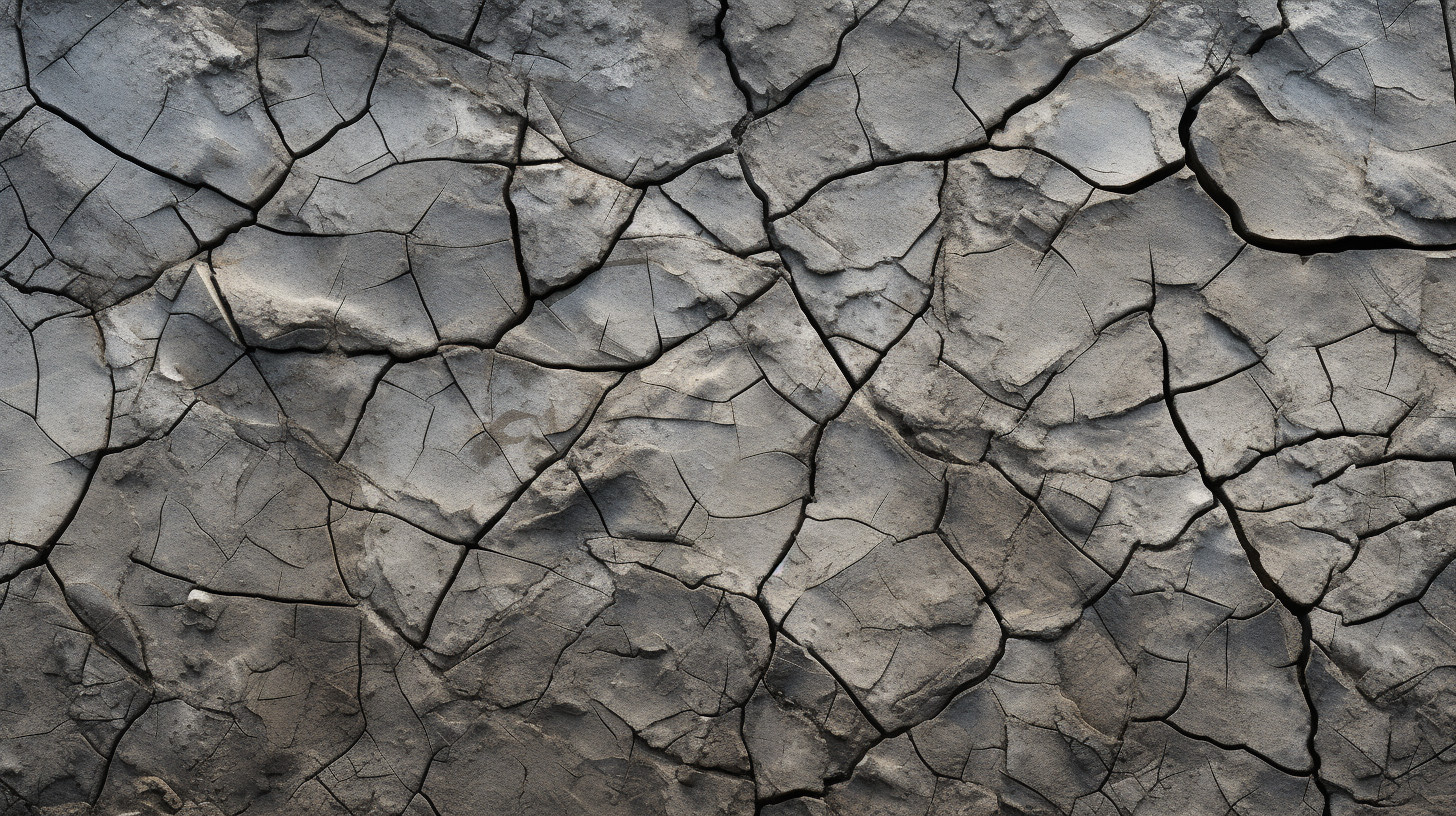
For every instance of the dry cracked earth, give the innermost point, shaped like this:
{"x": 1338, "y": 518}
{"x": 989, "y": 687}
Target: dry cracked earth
{"x": 782, "y": 407}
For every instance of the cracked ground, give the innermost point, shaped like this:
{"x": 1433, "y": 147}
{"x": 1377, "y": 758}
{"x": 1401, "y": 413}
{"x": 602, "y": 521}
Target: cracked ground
{"x": 774, "y": 408}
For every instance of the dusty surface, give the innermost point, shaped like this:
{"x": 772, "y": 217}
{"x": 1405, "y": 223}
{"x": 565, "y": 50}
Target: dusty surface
{"x": 792, "y": 408}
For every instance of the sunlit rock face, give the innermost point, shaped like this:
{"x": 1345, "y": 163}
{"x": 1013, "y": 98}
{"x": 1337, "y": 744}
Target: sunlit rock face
{"x": 773, "y": 408}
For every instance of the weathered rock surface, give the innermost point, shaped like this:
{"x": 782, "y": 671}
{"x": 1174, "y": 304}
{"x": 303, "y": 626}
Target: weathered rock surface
{"x": 802, "y": 408}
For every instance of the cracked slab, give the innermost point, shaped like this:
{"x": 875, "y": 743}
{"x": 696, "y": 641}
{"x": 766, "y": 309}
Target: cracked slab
{"x": 745, "y": 408}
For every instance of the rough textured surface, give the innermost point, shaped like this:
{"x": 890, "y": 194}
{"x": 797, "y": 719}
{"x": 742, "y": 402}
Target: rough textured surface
{"x": 770, "y": 408}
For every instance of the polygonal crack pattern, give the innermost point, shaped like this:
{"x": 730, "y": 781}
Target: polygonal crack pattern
{"x": 770, "y": 408}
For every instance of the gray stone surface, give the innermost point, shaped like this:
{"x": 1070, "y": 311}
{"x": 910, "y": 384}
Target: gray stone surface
{"x": 762, "y": 408}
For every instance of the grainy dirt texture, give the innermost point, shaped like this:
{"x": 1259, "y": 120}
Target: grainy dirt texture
{"x": 775, "y": 408}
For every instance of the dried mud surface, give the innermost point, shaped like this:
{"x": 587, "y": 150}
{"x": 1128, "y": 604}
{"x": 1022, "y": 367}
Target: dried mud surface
{"x": 774, "y": 408}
